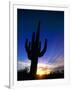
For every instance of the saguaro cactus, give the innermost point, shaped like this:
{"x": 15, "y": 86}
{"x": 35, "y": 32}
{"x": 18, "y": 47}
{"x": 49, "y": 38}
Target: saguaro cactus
{"x": 34, "y": 51}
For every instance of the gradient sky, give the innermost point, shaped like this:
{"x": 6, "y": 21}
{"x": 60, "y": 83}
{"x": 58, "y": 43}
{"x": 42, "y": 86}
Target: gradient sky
{"x": 51, "y": 27}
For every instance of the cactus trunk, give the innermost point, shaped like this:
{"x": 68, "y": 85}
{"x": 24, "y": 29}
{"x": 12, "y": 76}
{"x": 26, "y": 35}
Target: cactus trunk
{"x": 33, "y": 68}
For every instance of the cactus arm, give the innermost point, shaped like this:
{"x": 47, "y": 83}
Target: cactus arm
{"x": 39, "y": 46}
{"x": 33, "y": 40}
{"x": 27, "y": 46}
{"x": 44, "y": 49}
{"x": 33, "y": 37}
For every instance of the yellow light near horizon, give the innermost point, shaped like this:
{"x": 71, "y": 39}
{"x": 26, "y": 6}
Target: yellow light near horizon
{"x": 41, "y": 72}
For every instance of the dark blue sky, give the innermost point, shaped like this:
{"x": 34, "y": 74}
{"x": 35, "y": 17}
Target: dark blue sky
{"x": 51, "y": 27}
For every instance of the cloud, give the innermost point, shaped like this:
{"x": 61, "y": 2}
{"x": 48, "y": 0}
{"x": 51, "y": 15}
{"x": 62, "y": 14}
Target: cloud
{"x": 22, "y": 65}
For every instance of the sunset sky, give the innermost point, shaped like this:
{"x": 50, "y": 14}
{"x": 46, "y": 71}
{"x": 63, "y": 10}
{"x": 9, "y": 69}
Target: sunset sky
{"x": 51, "y": 27}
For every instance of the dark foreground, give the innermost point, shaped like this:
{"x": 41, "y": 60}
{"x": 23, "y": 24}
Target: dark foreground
{"x": 23, "y": 75}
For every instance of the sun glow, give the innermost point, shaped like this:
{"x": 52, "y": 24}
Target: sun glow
{"x": 43, "y": 70}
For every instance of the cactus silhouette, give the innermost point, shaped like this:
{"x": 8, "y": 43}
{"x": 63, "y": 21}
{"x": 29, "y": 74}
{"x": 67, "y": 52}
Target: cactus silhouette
{"x": 34, "y": 51}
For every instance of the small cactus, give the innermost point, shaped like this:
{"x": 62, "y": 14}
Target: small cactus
{"x": 34, "y": 51}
